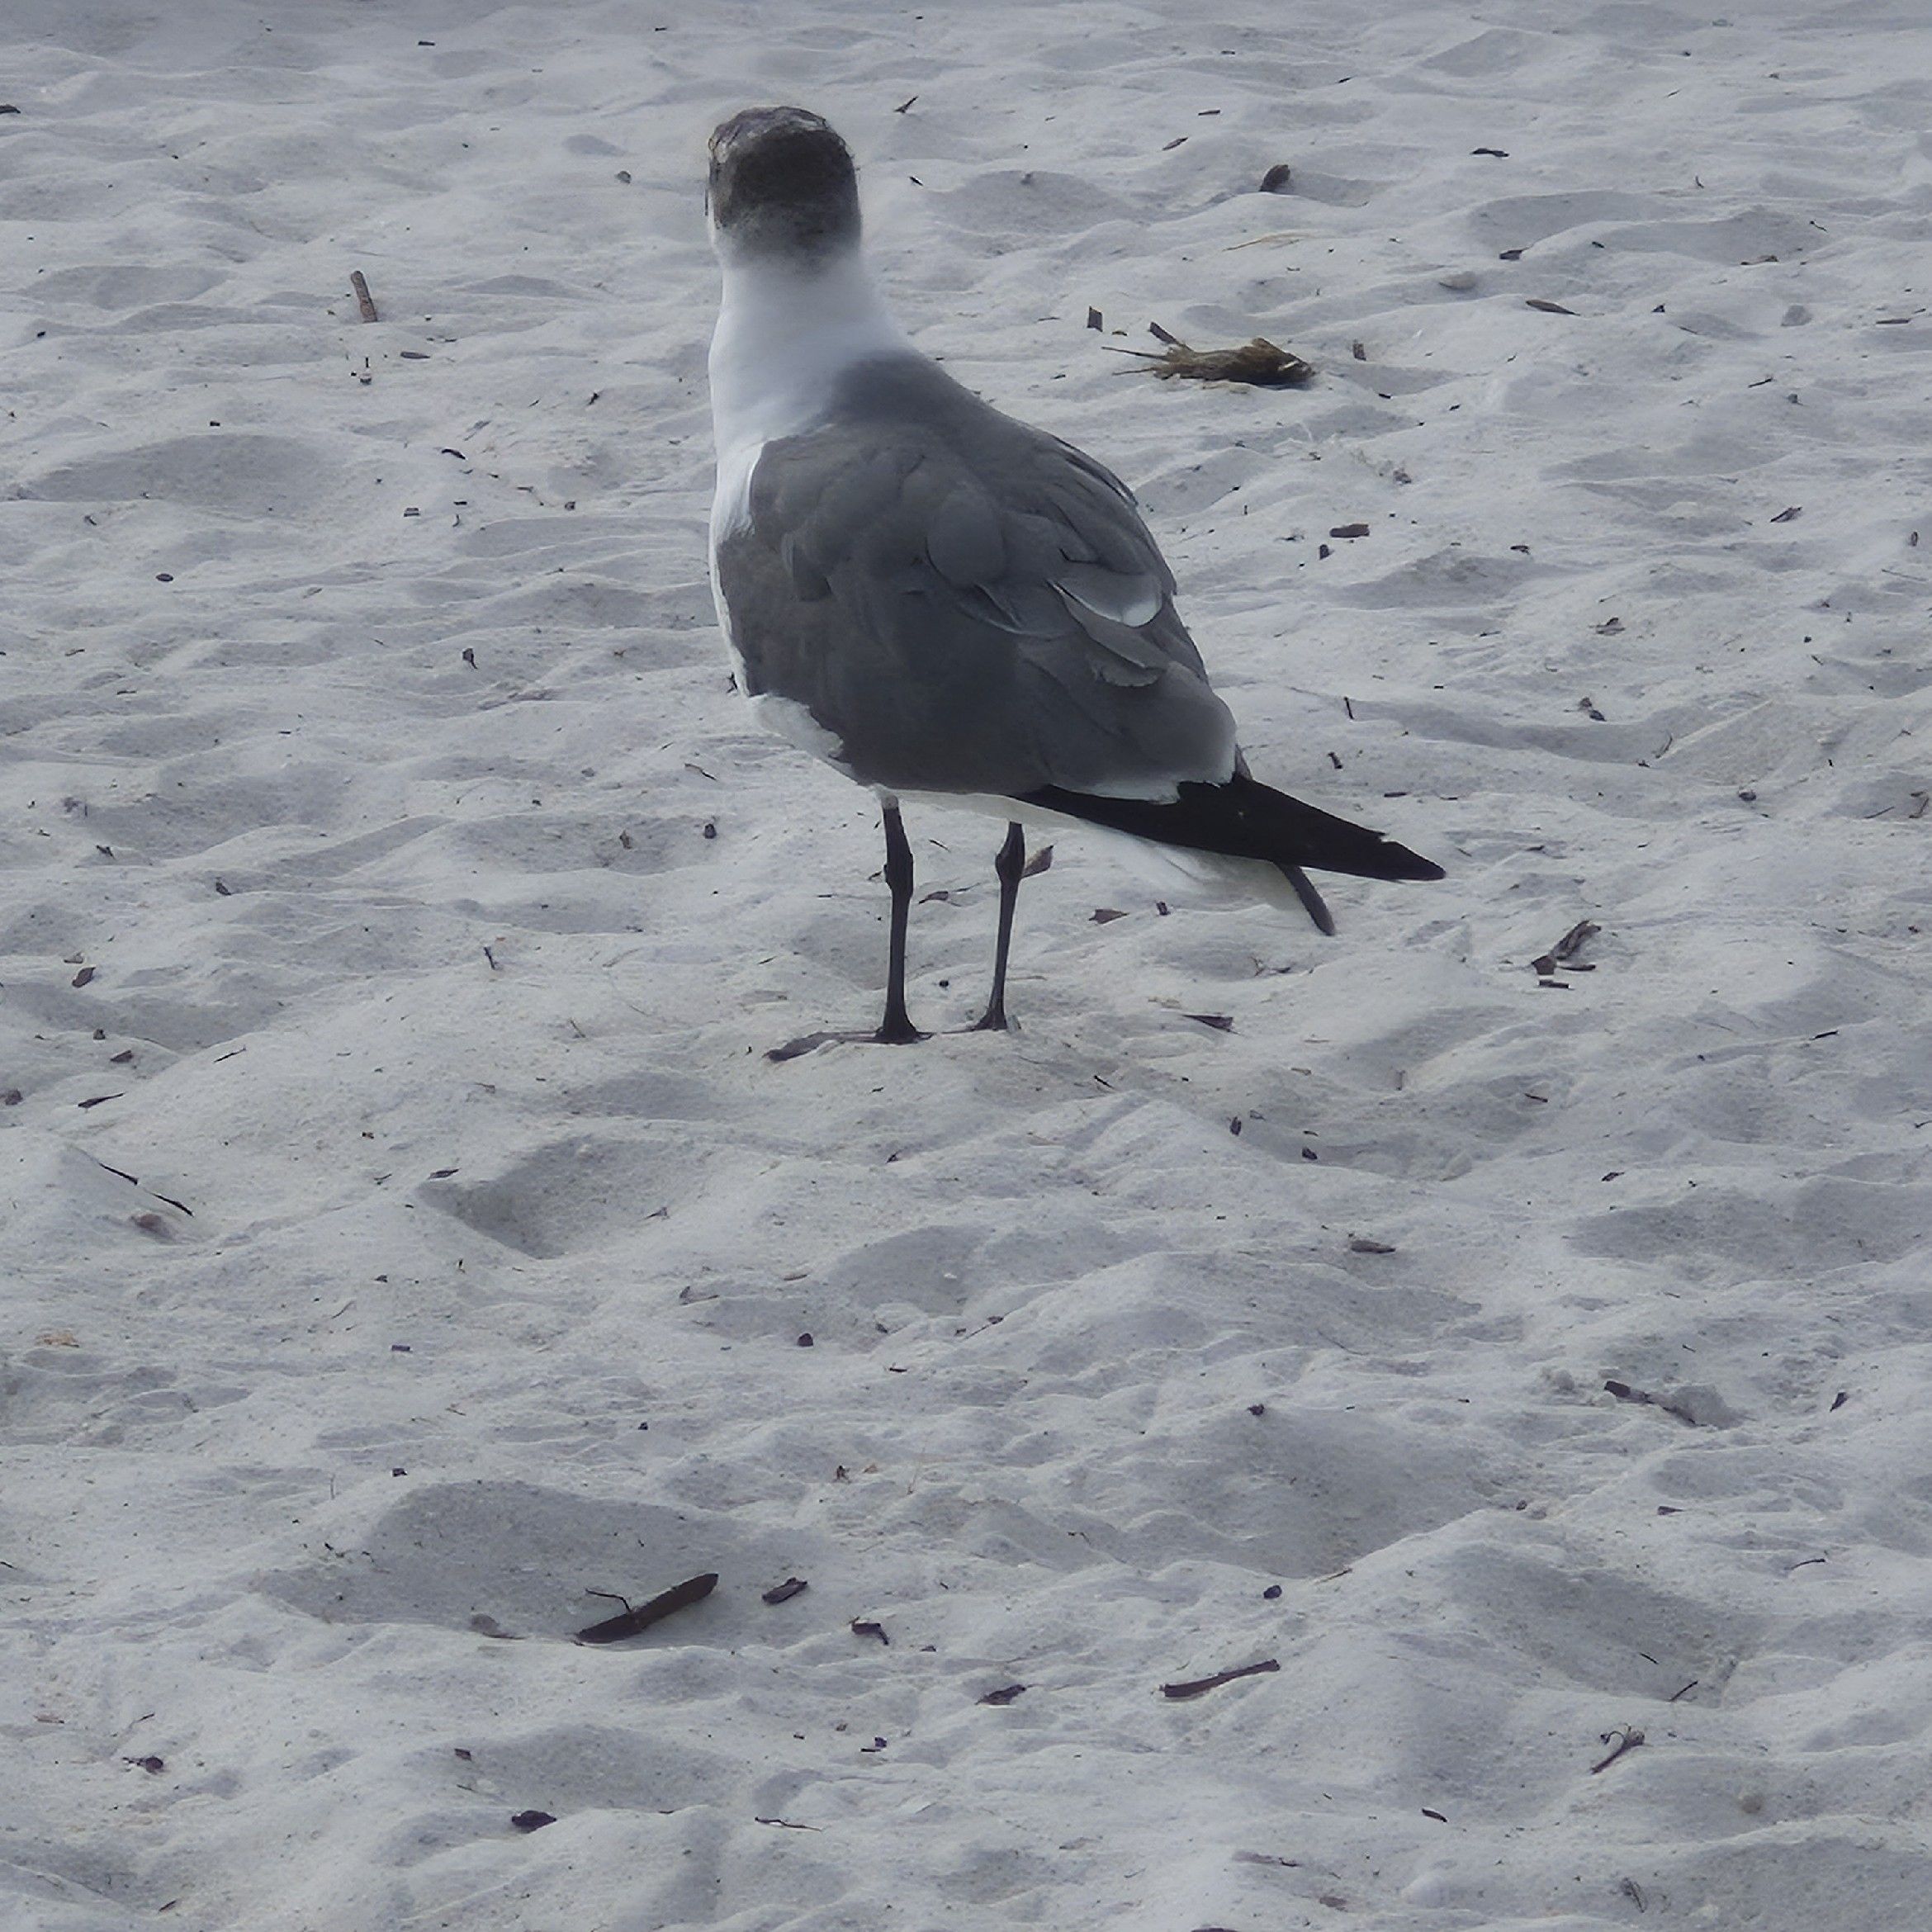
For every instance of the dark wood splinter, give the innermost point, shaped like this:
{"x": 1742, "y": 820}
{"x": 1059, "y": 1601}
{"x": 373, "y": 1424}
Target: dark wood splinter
{"x": 629, "y": 1622}
{"x": 1199, "y": 1685}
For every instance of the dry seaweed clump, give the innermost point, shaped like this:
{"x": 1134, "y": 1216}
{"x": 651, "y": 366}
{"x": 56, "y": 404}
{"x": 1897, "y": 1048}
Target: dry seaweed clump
{"x": 1258, "y": 361}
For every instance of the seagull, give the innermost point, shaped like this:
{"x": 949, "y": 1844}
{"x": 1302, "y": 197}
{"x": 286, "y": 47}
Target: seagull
{"x": 944, "y": 604}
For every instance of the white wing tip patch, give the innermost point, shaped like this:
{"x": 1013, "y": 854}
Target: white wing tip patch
{"x": 1123, "y": 598}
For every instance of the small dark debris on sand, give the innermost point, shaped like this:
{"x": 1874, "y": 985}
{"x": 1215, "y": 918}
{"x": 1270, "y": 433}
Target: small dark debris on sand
{"x": 1565, "y": 951}
{"x": 1670, "y": 1404}
{"x": 627, "y": 1624}
{"x": 1257, "y": 363}
{"x": 1199, "y": 1685}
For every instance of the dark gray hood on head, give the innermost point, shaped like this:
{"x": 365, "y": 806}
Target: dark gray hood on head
{"x": 781, "y": 185}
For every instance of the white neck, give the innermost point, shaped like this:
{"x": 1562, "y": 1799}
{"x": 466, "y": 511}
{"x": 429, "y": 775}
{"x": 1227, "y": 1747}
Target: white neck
{"x": 785, "y": 334}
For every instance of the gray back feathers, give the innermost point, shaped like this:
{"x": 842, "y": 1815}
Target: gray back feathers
{"x": 966, "y": 604}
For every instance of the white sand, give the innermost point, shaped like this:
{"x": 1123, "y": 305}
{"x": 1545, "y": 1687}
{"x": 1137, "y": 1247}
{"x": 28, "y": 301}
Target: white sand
{"x": 417, "y": 1243}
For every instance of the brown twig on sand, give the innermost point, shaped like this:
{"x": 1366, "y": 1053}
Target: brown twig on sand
{"x": 1626, "y": 1740}
{"x": 364, "y": 300}
{"x": 614, "y": 1629}
{"x": 1199, "y": 1686}
{"x": 1674, "y": 1405}
{"x": 1258, "y": 362}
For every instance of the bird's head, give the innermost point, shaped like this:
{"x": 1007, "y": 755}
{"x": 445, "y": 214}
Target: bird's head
{"x": 782, "y": 186}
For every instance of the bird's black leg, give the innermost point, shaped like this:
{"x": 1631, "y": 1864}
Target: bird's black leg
{"x": 1011, "y": 866}
{"x": 897, "y": 1029}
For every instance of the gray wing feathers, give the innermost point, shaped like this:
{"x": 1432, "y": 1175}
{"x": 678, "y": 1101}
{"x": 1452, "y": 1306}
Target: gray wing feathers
{"x": 964, "y": 541}
{"x": 967, "y": 605}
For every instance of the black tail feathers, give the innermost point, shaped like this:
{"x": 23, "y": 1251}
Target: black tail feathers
{"x": 1243, "y": 819}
